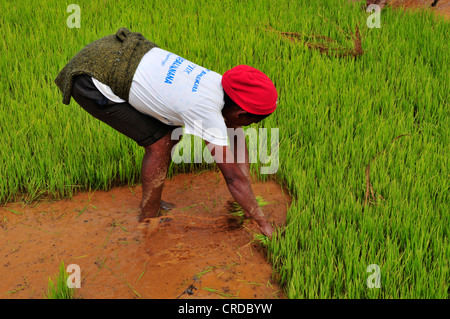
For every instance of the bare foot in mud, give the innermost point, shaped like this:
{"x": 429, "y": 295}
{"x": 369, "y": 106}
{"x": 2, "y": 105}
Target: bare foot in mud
{"x": 166, "y": 206}
{"x": 162, "y": 206}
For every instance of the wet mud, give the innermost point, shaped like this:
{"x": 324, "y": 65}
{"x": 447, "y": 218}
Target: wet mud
{"x": 187, "y": 252}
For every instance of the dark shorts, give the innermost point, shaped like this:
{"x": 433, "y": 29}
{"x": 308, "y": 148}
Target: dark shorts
{"x": 143, "y": 129}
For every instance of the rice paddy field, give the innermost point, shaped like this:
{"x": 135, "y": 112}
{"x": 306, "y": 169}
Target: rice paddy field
{"x": 363, "y": 138}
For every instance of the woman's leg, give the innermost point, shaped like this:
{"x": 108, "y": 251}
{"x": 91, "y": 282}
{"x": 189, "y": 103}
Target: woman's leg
{"x": 155, "y": 164}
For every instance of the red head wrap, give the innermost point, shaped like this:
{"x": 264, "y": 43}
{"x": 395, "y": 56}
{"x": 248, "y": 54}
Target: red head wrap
{"x": 251, "y": 89}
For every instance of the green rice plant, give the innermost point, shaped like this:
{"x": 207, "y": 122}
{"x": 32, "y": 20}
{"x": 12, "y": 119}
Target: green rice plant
{"x": 57, "y": 287}
{"x": 237, "y": 211}
{"x": 261, "y": 239}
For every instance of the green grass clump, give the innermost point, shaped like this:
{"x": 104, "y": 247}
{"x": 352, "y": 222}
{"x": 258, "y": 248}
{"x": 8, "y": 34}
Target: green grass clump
{"x": 261, "y": 239}
{"x": 57, "y": 287}
{"x": 238, "y": 215}
{"x": 238, "y": 212}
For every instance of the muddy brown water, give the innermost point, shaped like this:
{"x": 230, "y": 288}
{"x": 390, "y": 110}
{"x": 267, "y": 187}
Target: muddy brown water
{"x": 441, "y": 8}
{"x": 121, "y": 258}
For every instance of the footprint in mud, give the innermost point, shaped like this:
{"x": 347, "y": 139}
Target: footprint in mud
{"x": 166, "y": 206}
{"x": 151, "y": 225}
